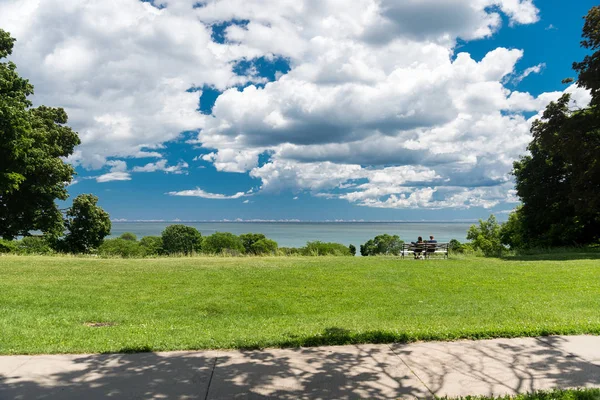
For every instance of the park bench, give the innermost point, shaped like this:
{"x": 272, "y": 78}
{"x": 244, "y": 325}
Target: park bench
{"x": 426, "y": 249}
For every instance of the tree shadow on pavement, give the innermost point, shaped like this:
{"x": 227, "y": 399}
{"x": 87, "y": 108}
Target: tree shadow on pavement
{"x": 499, "y": 366}
{"x": 351, "y": 372}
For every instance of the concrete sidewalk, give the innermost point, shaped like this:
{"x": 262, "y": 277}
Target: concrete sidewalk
{"x": 502, "y": 366}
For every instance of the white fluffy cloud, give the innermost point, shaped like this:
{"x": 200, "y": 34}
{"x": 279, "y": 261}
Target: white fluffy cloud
{"x": 376, "y": 84}
{"x": 121, "y": 69}
{"x": 118, "y": 172}
{"x": 377, "y": 109}
{"x": 179, "y": 168}
{"x": 205, "y": 195}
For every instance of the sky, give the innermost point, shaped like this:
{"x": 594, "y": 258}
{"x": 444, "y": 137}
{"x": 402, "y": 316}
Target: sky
{"x": 298, "y": 109}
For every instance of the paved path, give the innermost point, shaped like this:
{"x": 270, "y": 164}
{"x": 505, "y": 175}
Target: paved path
{"x": 420, "y": 370}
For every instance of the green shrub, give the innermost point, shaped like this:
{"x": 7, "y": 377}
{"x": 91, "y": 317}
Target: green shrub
{"x": 181, "y": 239}
{"x": 456, "y": 247}
{"x": 486, "y": 237}
{"x": 120, "y": 248}
{"x": 223, "y": 242}
{"x": 382, "y": 245}
{"x": 34, "y": 245}
{"x": 87, "y": 225}
{"x": 289, "y": 251}
{"x": 248, "y": 239}
{"x": 128, "y": 236}
{"x": 8, "y": 246}
{"x": 352, "y": 249}
{"x": 556, "y": 394}
{"x": 152, "y": 245}
{"x": 318, "y": 248}
{"x": 512, "y": 232}
{"x": 264, "y": 247}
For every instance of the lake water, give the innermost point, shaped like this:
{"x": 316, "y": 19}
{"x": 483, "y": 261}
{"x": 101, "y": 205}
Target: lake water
{"x": 296, "y": 234}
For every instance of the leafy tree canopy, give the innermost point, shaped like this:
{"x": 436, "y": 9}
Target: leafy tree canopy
{"x": 352, "y": 249}
{"x": 264, "y": 247}
{"x": 382, "y": 245}
{"x": 181, "y": 239}
{"x": 318, "y": 248}
{"x": 559, "y": 182}
{"x": 152, "y": 245}
{"x": 248, "y": 240}
{"x": 220, "y": 242}
{"x": 486, "y": 237}
{"x": 33, "y": 144}
{"x": 128, "y": 236}
{"x": 87, "y": 224}
{"x": 589, "y": 68}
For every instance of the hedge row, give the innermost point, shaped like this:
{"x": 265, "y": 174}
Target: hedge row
{"x": 186, "y": 240}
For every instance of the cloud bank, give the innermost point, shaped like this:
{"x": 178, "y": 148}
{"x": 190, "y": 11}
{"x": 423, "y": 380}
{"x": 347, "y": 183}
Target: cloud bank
{"x": 377, "y": 108}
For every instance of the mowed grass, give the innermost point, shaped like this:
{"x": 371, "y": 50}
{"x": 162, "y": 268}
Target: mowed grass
{"x": 81, "y": 305}
{"x": 559, "y": 394}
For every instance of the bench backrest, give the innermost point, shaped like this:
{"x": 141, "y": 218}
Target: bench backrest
{"x": 425, "y": 246}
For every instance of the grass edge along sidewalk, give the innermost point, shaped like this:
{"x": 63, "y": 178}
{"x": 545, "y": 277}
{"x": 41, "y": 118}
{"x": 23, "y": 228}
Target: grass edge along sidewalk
{"x": 53, "y": 305}
{"x": 558, "y": 394}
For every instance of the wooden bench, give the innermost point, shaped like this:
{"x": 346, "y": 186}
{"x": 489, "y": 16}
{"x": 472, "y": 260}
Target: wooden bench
{"x": 425, "y": 249}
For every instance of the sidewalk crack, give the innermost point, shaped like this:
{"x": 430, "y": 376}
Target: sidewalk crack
{"x": 24, "y": 362}
{"x": 212, "y": 372}
{"x": 412, "y": 371}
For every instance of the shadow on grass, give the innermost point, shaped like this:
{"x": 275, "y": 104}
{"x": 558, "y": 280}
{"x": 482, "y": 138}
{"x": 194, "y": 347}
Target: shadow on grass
{"x": 339, "y": 337}
{"x": 335, "y": 336}
{"x": 558, "y": 256}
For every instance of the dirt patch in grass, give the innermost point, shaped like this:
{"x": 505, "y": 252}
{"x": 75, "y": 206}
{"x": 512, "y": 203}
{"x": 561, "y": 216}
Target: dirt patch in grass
{"x": 99, "y": 324}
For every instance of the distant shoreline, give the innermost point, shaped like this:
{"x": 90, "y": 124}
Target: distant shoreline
{"x": 292, "y": 222}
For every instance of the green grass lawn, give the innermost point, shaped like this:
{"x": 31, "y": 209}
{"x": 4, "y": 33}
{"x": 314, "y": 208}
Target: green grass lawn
{"x": 570, "y": 394}
{"x": 50, "y": 304}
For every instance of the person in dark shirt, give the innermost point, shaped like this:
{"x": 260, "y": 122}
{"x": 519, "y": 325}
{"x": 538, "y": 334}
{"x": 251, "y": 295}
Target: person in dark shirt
{"x": 431, "y": 249}
{"x": 418, "y": 247}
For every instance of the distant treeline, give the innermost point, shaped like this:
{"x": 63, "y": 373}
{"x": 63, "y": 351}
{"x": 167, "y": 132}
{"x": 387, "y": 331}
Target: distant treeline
{"x": 184, "y": 240}
{"x": 181, "y": 240}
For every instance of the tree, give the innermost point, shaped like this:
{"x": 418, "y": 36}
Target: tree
{"x": 486, "y": 237}
{"x": 128, "y": 236}
{"x": 382, "y": 245}
{"x": 589, "y": 68}
{"x": 248, "y": 239}
{"x": 264, "y": 247}
{"x": 33, "y": 145}
{"x": 34, "y": 245}
{"x": 318, "y": 248}
{"x": 559, "y": 182}
{"x": 121, "y": 248}
{"x": 512, "y": 233}
{"x": 152, "y": 245}
{"x": 181, "y": 239}
{"x": 454, "y": 246}
{"x": 87, "y": 225}
{"x": 352, "y": 249}
{"x": 220, "y": 242}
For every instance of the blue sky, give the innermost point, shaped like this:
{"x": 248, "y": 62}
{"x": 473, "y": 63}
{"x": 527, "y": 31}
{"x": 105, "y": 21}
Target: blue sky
{"x": 323, "y": 114}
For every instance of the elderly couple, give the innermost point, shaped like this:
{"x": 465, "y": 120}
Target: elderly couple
{"x": 419, "y": 247}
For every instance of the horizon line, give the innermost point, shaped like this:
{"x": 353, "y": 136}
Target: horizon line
{"x": 292, "y": 221}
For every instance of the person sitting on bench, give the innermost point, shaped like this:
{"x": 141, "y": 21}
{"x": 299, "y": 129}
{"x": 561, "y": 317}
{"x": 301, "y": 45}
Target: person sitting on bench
{"x": 418, "y": 247}
{"x": 432, "y": 242}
